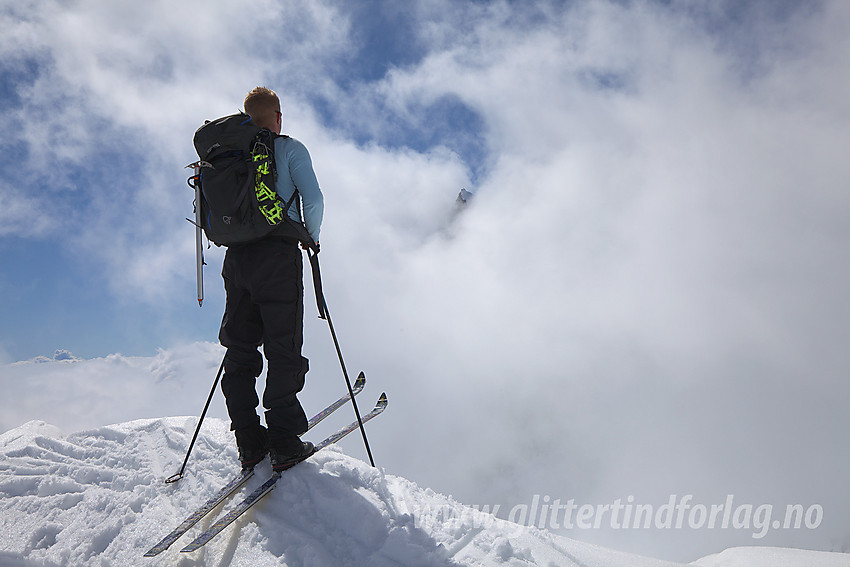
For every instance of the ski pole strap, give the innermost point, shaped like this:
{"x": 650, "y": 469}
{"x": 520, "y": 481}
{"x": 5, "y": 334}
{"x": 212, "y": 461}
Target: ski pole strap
{"x": 317, "y": 283}
{"x": 325, "y": 314}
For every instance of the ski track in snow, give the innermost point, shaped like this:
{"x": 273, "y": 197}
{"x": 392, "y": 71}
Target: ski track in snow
{"x": 97, "y": 497}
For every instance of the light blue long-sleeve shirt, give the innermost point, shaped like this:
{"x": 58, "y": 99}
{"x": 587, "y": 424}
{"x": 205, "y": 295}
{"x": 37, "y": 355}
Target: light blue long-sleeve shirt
{"x": 295, "y": 171}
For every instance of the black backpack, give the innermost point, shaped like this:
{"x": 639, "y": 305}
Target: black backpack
{"x": 236, "y": 174}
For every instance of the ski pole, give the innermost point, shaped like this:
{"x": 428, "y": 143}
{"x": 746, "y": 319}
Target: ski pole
{"x": 325, "y": 314}
{"x": 179, "y": 475}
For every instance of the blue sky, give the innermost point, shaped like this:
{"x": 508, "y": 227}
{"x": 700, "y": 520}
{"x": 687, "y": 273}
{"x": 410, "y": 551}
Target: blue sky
{"x": 647, "y": 296}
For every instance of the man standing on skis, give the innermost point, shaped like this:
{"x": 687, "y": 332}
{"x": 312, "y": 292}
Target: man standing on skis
{"x": 265, "y": 306}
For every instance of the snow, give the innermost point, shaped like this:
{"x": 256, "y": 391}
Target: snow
{"x": 97, "y": 497}
{"x": 772, "y": 557}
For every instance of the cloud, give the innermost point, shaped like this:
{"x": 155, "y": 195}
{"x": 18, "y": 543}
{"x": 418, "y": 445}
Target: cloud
{"x": 21, "y": 214}
{"x": 81, "y": 393}
{"x": 655, "y": 246}
{"x": 647, "y": 294}
{"x": 114, "y": 93}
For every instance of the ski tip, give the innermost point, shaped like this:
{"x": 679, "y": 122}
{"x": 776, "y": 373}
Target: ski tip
{"x": 360, "y": 382}
{"x": 382, "y": 401}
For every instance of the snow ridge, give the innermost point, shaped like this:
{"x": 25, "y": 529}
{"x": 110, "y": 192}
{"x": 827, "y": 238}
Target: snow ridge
{"x": 97, "y": 497}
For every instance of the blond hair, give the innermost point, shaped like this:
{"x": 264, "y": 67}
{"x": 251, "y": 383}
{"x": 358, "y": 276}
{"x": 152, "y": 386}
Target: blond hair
{"x": 262, "y": 105}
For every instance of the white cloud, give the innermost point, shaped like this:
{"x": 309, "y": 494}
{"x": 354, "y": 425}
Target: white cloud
{"x": 652, "y": 254}
{"x": 21, "y": 214}
{"x": 109, "y": 109}
{"x": 648, "y": 292}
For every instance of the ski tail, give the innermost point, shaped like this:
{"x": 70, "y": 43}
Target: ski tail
{"x": 205, "y": 509}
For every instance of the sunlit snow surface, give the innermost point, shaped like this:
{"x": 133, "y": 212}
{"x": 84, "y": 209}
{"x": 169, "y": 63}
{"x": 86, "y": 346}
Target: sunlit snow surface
{"x": 97, "y": 497}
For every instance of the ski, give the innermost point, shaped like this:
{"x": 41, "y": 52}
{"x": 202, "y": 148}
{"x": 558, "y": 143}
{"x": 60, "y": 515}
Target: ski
{"x": 196, "y": 516}
{"x": 267, "y": 487}
{"x": 358, "y": 386}
{"x": 242, "y": 478}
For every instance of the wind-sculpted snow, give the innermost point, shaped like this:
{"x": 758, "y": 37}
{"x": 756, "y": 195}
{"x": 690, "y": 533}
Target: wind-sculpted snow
{"x": 97, "y": 498}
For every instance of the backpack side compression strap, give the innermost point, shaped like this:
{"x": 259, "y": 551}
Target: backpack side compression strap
{"x": 268, "y": 200}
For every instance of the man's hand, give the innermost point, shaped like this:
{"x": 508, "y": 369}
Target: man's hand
{"x": 307, "y": 247}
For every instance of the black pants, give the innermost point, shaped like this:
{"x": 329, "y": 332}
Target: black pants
{"x": 264, "y": 306}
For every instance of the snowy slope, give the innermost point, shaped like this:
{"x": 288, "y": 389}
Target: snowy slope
{"x": 97, "y": 498}
{"x": 772, "y": 557}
